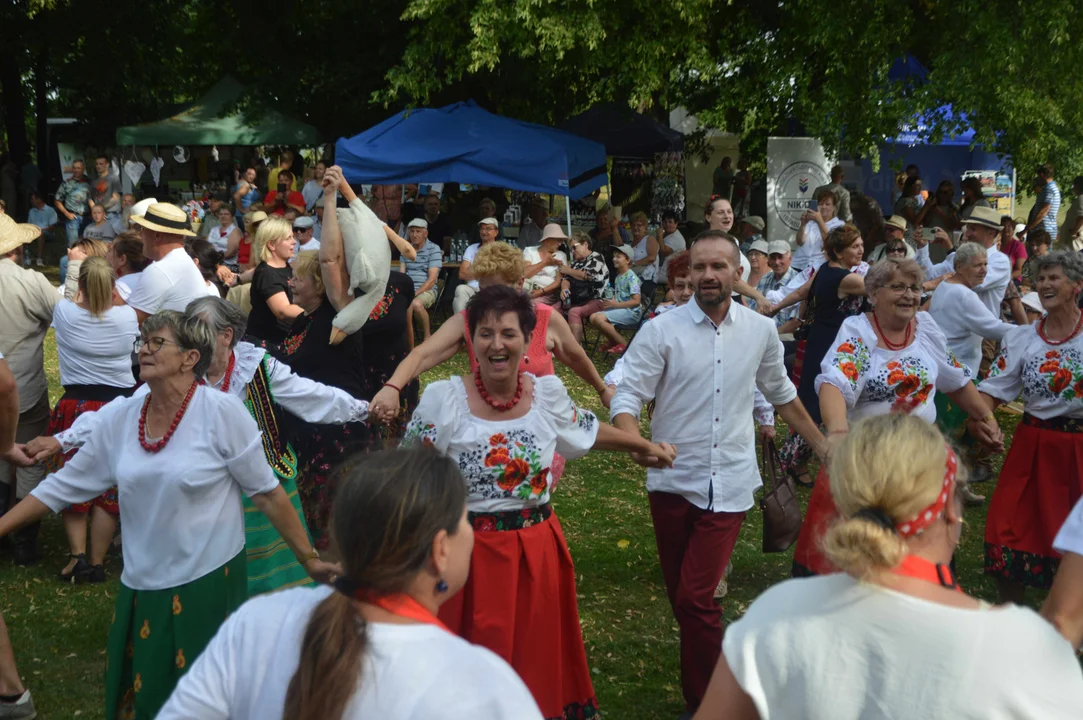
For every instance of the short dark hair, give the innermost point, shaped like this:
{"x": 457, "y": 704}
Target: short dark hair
{"x": 207, "y": 256}
{"x": 498, "y": 300}
{"x": 1039, "y": 236}
{"x": 101, "y": 157}
{"x": 910, "y": 183}
{"x": 827, "y": 194}
{"x": 718, "y": 235}
{"x": 669, "y": 215}
{"x": 1045, "y": 170}
{"x": 1077, "y": 180}
{"x": 287, "y": 173}
{"x": 910, "y": 167}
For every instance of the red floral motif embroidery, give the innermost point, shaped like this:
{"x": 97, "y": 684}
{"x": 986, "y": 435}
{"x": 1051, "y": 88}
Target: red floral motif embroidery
{"x": 1052, "y": 354}
{"x": 515, "y": 472}
{"x": 849, "y": 370}
{"x": 498, "y": 439}
{"x": 539, "y": 482}
{"x": 893, "y": 365}
{"x": 1049, "y": 366}
{"x": 497, "y": 456}
{"x": 485, "y": 523}
{"x": 908, "y": 386}
{"x": 1078, "y": 388}
{"x": 384, "y": 305}
{"x": 1001, "y": 363}
{"x": 845, "y": 348}
{"x": 1060, "y": 380}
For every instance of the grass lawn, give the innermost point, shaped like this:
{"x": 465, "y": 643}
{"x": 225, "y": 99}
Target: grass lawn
{"x": 59, "y": 631}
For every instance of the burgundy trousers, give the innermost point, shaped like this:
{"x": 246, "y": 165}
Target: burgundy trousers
{"x": 694, "y": 547}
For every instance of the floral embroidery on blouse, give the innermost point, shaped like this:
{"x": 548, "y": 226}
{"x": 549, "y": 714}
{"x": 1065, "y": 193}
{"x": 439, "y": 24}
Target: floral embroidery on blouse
{"x": 419, "y": 433}
{"x": 293, "y": 343}
{"x": 385, "y": 303}
{"x": 514, "y": 465}
{"x": 583, "y": 418}
{"x": 903, "y": 382}
{"x": 852, "y": 359}
{"x": 1057, "y": 373}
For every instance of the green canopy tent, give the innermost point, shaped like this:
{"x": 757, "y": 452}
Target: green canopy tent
{"x": 204, "y": 123}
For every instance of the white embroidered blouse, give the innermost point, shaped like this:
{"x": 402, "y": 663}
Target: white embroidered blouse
{"x": 875, "y": 380}
{"x": 1050, "y": 377}
{"x": 506, "y": 463}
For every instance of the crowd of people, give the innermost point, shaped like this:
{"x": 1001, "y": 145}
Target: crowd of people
{"x": 249, "y": 436}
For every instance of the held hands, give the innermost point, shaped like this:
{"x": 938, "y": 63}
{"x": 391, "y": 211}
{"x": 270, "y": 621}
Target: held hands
{"x": 18, "y": 456}
{"x": 41, "y": 447}
{"x": 321, "y": 571}
{"x": 385, "y": 405}
{"x": 225, "y": 275}
{"x": 987, "y": 432}
{"x": 661, "y": 455}
{"x": 607, "y": 395}
{"x": 333, "y": 178}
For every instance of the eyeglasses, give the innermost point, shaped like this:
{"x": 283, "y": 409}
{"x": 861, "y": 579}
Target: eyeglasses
{"x": 902, "y": 289}
{"x": 155, "y": 344}
{"x": 301, "y": 229}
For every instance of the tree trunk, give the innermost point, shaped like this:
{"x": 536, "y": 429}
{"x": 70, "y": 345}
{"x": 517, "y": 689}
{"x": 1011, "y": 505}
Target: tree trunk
{"x": 41, "y": 107}
{"x": 13, "y": 102}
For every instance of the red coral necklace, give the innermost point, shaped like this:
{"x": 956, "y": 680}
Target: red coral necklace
{"x": 229, "y": 372}
{"x": 161, "y": 443}
{"x": 1075, "y": 331}
{"x": 883, "y": 335}
{"x": 503, "y": 407}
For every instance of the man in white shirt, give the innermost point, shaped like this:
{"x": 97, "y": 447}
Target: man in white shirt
{"x": 700, "y": 364}
{"x": 983, "y": 227}
{"x": 488, "y": 229}
{"x": 172, "y": 280}
{"x": 670, "y": 242}
{"x": 303, "y": 233}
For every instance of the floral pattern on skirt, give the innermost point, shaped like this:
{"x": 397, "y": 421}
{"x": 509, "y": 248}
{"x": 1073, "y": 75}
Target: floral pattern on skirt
{"x": 63, "y": 417}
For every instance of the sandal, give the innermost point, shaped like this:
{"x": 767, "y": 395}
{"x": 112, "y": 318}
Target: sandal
{"x": 78, "y": 572}
{"x": 96, "y": 574}
{"x": 802, "y": 478}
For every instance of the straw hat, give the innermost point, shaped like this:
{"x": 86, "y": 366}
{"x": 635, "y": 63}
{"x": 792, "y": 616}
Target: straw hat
{"x": 552, "y": 231}
{"x": 896, "y": 221}
{"x": 165, "y": 218}
{"x": 13, "y": 234}
{"x": 986, "y": 217}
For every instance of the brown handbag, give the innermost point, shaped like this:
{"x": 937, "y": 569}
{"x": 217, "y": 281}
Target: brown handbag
{"x": 781, "y": 509}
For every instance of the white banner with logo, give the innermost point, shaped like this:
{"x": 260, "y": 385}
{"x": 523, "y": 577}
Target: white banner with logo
{"x": 68, "y": 155}
{"x": 795, "y": 168}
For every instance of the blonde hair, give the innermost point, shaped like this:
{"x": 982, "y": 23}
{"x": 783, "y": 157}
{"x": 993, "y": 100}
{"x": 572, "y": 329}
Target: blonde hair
{"x": 96, "y": 282}
{"x": 92, "y": 247}
{"x": 893, "y": 463}
{"x": 271, "y": 232}
{"x": 307, "y": 264}
{"x": 499, "y": 258}
{"x": 639, "y": 216}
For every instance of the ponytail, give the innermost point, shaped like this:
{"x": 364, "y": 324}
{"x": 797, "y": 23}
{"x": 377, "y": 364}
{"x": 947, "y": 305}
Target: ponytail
{"x": 96, "y": 283}
{"x": 860, "y": 548}
{"x": 330, "y": 664}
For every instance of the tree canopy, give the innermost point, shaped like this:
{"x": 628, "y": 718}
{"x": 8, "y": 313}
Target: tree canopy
{"x": 744, "y": 66}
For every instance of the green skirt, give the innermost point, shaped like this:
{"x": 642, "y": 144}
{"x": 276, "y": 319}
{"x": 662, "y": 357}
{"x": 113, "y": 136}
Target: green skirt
{"x": 951, "y": 419}
{"x": 271, "y": 563}
{"x": 157, "y": 634}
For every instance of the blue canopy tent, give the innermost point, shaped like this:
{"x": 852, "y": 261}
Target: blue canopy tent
{"x": 464, "y": 143}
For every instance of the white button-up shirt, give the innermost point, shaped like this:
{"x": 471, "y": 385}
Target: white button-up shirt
{"x": 991, "y": 291}
{"x": 702, "y": 378}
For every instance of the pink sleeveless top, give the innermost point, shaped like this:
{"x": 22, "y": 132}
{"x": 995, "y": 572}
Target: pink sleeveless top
{"x": 537, "y": 361}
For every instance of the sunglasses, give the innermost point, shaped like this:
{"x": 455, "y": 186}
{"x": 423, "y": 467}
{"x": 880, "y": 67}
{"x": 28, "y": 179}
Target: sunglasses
{"x": 301, "y": 229}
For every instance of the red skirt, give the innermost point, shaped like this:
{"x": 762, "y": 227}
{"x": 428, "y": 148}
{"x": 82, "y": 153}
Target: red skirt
{"x": 520, "y": 603}
{"x": 808, "y": 559}
{"x": 1041, "y": 480}
{"x": 63, "y": 417}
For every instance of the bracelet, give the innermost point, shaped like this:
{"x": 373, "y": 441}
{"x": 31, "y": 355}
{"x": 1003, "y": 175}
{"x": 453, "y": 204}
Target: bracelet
{"x": 313, "y": 555}
{"x": 987, "y": 418}
{"x": 838, "y": 432}
{"x": 393, "y": 387}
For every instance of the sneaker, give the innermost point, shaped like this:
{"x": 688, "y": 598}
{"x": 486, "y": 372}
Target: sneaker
{"x": 21, "y": 709}
{"x": 723, "y": 586}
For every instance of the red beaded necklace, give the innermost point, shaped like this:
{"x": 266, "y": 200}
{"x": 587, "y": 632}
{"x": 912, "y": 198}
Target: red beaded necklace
{"x": 229, "y": 372}
{"x": 157, "y": 446}
{"x": 1075, "y": 331}
{"x": 495, "y": 405}
{"x": 883, "y": 336}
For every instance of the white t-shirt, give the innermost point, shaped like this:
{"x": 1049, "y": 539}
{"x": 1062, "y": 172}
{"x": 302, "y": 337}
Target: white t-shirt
{"x": 813, "y": 249}
{"x": 95, "y": 350}
{"x": 547, "y": 275}
{"x": 409, "y": 672}
{"x": 168, "y": 284}
{"x": 219, "y": 237}
{"x": 212, "y": 290}
{"x": 832, "y": 648}
{"x": 676, "y": 241}
{"x": 468, "y": 256}
{"x": 180, "y": 507}
{"x": 127, "y": 283}
{"x": 310, "y": 245}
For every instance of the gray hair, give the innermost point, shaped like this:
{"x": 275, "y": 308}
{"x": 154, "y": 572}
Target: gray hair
{"x": 1070, "y": 262}
{"x": 885, "y": 271}
{"x": 967, "y": 252}
{"x": 192, "y": 333}
{"x": 220, "y": 315}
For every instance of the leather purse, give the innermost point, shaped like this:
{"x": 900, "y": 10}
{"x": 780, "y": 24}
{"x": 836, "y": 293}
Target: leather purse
{"x": 780, "y": 506}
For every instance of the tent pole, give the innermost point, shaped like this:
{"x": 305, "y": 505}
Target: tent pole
{"x": 568, "y": 208}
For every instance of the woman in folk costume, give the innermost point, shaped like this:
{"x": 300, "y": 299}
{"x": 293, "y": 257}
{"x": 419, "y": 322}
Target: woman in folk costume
{"x": 181, "y": 455}
{"x": 1042, "y": 477}
{"x": 502, "y": 426}
{"x": 266, "y": 387}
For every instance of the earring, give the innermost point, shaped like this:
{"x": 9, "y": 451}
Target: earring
{"x": 441, "y": 587}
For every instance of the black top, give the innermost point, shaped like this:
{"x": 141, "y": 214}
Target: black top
{"x": 266, "y": 282}
{"x": 308, "y": 352}
{"x": 439, "y": 229}
{"x": 829, "y": 312}
{"x": 385, "y": 333}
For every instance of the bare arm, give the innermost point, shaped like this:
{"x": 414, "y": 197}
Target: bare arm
{"x": 276, "y": 506}
{"x": 798, "y": 295}
{"x": 614, "y": 438}
{"x": 242, "y": 188}
{"x": 233, "y": 242}
{"x": 464, "y": 271}
{"x": 336, "y": 279}
{"x": 63, "y": 210}
{"x": 9, "y": 407}
{"x": 440, "y": 346}
{"x": 798, "y": 419}
{"x": 26, "y": 511}
{"x": 1043, "y": 210}
{"x": 281, "y": 307}
{"x": 397, "y": 241}
{"x": 430, "y": 281}
{"x": 1019, "y": 313}
{"x": 652, "y": 252}
{"x": 852, "y": 284}
{"x": 571, "y": 353}
{"x": 724, "y": 699}
{"x": 1063, "y": 608}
